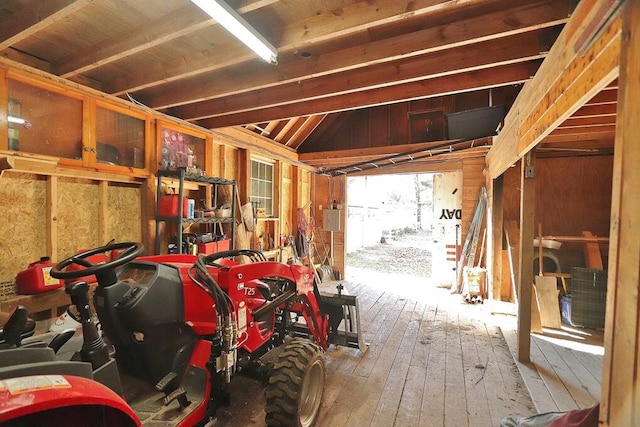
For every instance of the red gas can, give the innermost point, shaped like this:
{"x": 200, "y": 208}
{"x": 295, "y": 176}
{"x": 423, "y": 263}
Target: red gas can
{"x": 37, "y": 279}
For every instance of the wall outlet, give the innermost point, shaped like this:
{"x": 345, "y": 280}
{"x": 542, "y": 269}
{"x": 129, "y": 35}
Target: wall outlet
{"x": 529, "y": 172}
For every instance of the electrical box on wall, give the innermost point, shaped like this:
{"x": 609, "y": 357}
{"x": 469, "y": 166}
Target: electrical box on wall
{"x": 331, "y": 219}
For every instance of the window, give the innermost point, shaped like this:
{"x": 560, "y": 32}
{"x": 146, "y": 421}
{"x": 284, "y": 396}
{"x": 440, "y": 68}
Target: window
{"x": 262, "y": 187}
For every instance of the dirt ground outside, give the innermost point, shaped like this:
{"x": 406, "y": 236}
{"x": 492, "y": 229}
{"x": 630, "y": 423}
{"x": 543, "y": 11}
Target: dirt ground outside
{"x": 406, "y": 254}
{"x": 404, "y": 265}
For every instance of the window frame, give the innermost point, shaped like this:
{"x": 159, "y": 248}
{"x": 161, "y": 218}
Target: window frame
{"x": 262, "y": 194}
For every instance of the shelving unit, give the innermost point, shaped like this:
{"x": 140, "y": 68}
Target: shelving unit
{"x": 211, "y": 186}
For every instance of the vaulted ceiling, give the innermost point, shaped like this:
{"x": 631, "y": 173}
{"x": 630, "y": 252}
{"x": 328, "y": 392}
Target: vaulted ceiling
{"x": 333, "y": 56}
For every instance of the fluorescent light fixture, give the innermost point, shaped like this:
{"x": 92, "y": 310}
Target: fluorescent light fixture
{"x": 236, "y": 25}
{"x": 16, "y": 120}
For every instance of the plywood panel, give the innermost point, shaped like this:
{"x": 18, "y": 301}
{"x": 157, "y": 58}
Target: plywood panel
{"x": 123, "y": 222}
{"x": 572, "y": 195}
{"x": 231, "y": 163}
{"x": 217, "y": 159}
{"x": 23, "y": 223}
{"x": 78, "y": 216}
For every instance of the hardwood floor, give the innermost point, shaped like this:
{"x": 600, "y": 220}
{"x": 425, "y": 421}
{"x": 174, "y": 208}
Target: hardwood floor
{"x": 565, "y": 372}
{"x": 432, "y": 361}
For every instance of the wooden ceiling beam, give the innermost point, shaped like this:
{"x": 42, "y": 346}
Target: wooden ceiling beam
{"x": 288, "y": 129}
{"x": 359, "y": 154}
{"x": 520, "y": 48}
{"x": 606, "y": 96}
{"x": 596, "y": 110}
{"x": 181, "y": 23}
{"x": 270, "y": 127}
{"x": 496, "y": 25}
{"x": 573, "y": 72}
{"x": 584, "y": 78}
{"x": 316, "y": 29}
{"x": 583, "y": 122}
{"x": 439, "y": 86}
{"x": 35, "y": 16}
{"x": 309, "y": 125}
{"x": 602, "y": 132}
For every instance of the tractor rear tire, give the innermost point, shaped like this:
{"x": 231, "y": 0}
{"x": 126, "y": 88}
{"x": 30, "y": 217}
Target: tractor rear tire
{"x": 296, "y": 384}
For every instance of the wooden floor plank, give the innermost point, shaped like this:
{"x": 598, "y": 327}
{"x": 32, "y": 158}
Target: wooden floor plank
{"x": 403, "y": 338}
{"x": 456, "y": 404}
{"x": 475, "y": 358}
{"x": 586, "y": 380}
{"x": 411, "y": 399}
{"x": 422, "y": 367}
{"x": 540, "y": 394}
{"x": 371, "y": 399}
{"x": 564, "y": 371}
{"x": 499, "y": 390}
{"x": 420, "y": 353}
{"x": 549, "y": 375}
{"x": 432, "y": 409}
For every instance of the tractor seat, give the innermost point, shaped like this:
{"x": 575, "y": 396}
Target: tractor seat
{"x": 14, "y": 327}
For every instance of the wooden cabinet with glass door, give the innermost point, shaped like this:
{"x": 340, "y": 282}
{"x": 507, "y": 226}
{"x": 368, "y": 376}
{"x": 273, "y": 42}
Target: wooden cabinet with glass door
{"x": 48, "y": 118}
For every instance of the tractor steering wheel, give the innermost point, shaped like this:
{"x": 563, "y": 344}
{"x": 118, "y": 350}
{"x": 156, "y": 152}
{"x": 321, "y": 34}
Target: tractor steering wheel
{"x": 130, "y": 251}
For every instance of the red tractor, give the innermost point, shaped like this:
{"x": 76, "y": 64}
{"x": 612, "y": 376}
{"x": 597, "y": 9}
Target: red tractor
{"x": 180, "y": 327}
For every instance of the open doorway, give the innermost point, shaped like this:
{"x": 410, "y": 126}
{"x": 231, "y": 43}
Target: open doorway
{"x": 405, "y": 223}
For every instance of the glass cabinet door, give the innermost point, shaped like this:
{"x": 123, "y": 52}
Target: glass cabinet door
{"x": 181, "y": 150}
{"x": 43, "y": 121}
{"x": 120, "y": 138}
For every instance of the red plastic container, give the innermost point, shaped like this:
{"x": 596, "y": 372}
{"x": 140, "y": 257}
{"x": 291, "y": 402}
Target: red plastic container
{"x": 168, "y": 206}
{"x": 37, "y": 278}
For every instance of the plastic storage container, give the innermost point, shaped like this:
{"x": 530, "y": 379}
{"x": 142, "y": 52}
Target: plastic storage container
{"x": 168, "y": 206}
{"x": 37, "y": 278}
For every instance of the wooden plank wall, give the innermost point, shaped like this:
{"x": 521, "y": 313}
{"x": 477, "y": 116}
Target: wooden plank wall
{"x": 473, "y": 180}
{"x": 402, "y": 123}
{"x": 325, "y": 190}
{"x": 572, "y": 195}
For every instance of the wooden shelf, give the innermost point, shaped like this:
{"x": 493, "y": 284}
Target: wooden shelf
{"x": 46, "y": 165}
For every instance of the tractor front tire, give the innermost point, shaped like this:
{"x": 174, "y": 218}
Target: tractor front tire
{"x": 295, "y": 388}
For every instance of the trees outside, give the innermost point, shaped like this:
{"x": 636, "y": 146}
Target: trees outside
{"x": 389, "y": 203}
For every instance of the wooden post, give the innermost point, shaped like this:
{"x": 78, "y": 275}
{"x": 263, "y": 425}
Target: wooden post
{"x": 222, "y": 172}
{"x": 147, "y": 214}
{"x": 103, "y": 212}
{"x": 620, "y": 401}
{"x": 244, "y": 175}
{"x": 525, "y": 276}
{"x": 52, "y": 217}
{"x": 296, "y": 176}
{"x": 494, "y": 245}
